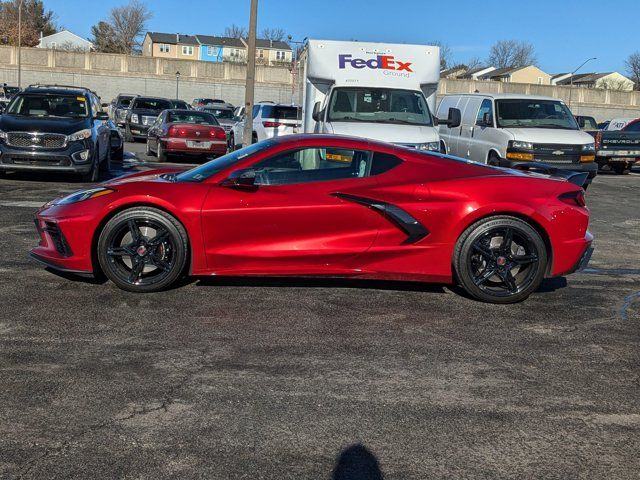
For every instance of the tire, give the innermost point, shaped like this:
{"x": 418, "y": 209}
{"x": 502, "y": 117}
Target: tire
{"x": 160, "y": 153}
{"x": 93, "y": 174}
{"x": 620, "y": 168}
{"x": 127, "y": 135}
{"x": 493, "y": 160}
{"x": 143, "y": 249}
{"x": 254, "y": 138}
{"x": 105, "y": 165}
{"x": 118, "y": 154}
{"x": 147, "y": 150}
{"x": 443, "y": 148}
{"x": 232, "y": 143}
{"x": 493, "y": 272}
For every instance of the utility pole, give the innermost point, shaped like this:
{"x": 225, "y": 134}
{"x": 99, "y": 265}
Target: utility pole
{"x": 20, "y": 44}
{"x": 251, "y": 76}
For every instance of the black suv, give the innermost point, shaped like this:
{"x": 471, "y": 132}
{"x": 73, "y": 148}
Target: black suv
{"x": 59, "y": 128}
{"x": 142, "y": 112}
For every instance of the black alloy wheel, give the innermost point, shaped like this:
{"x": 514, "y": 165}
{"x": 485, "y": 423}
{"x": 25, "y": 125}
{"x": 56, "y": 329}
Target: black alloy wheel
{"x": 143, "y": 249}
{"x": 500, "y": 260}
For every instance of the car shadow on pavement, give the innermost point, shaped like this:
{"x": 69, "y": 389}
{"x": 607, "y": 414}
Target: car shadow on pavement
{"x": 357, "y": 462}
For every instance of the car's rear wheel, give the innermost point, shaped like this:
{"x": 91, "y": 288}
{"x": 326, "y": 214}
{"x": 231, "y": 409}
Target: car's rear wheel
{"x": 94, "y": 173}
{"x": 143, "y": 249}
{"x": 620, "y": 168}
{"x": 493, "y": 159}
{"x": 160, "y": 153}
{"x": 500, "y": 259}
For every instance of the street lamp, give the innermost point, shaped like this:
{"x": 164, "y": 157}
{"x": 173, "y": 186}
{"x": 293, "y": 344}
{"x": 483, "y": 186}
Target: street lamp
{"x": 573, "y": 73}
{"x": 177, "y": 84}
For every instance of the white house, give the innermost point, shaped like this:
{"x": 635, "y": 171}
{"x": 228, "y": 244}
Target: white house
{"x": 65, "y": 40}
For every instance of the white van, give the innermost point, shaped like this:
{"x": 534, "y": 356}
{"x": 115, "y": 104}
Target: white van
{"x": 507, "y": 129}
{"x": 380, "y": 91}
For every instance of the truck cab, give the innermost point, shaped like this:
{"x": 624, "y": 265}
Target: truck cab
{"x": 380, "y": 91}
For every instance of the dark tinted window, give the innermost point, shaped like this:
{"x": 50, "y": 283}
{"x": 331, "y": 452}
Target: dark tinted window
{"x": 383, "y": 162}
{"x": 198, "y": 118}
{"x": 632, "y": 127}
{"x": 280, "y": 112}
{"x": 179, "y": 104}
{"x": 151, "y": 103}
{"x": 124, "y": 101}
{"x": 45, "y": 105}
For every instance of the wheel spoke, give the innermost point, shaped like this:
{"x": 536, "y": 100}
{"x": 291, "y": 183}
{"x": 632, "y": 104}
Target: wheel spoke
{"x": 524, "y": 259}
{"x": 124, "y": 251}
{"x": 136, "y": 235}
{"x": 136, "y": 270}
{"x": 160, "y": 263}
{"x": 486, "y": 275}
{"x": 509, "y": 281}
{"x": 161, "y": 236}
{"x": 507, "y": 239}
{"x": 487, "y": 254}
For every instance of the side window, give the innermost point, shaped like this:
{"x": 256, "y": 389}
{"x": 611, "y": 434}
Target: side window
{"x": 256, "y": 109}
{"x": 383, "y": 162}
{"x": 313, "y": 165}
{"x": 486, "y": 107}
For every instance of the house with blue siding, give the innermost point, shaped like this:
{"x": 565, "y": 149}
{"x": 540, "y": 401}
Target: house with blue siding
{"x": 218, "y": 49}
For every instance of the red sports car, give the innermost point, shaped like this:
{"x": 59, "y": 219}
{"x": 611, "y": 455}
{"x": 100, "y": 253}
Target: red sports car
{"x": 186, "y": 132}
{"x": 324, "y": 206}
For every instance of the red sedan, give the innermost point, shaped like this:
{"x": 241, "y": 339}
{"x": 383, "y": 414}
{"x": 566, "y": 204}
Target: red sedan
{"x": 186, "y": 132}
{"x": 326, "y": 206}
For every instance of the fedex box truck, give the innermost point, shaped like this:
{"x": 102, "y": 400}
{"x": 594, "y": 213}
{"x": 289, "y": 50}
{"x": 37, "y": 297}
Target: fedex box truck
{"x": 380, "y": 91}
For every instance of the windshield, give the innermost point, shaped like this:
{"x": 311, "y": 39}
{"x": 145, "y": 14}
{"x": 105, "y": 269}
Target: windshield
{"x": 49, "y": 105}
{"x": 212, "y": 167}
{"x": 523, "y": 113}
{"x": 196, "y": 118}
{"x": 151, "y": 104}
{"x": 379, "y": 105}
{"x": 220, "y": 113}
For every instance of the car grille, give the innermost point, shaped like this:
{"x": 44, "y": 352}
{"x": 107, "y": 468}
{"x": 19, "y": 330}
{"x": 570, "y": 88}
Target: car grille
{"x": 554, "y": 153}
{"x": 37, "y": 161}
{"x": 36, "y": 140}
{"x": 146, "y": 120}
{"x": 59, "y": 242}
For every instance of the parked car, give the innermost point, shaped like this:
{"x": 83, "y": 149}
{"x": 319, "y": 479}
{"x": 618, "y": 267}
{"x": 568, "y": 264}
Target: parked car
{"x": 117, "y": 141}
{"x": 119, "y": 106}
{"x": 588, "y": 124}
{"x": 509, "y": 129}
{"x": 186, "y": 132}
{"x": 269, "y": 120}
{"x": 324, "y": 205}
{"x": 618, "y": 123}
{"x": 6, "y": 94}
{"x": 223, "y": 113}
{"x": 618, "y": 150}
{"x": 55, "y": 128}
{"x": 142, "y": 112}
{"x": 180, "y": 104}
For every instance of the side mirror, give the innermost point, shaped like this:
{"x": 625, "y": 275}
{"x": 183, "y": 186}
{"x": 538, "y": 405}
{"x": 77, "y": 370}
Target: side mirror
{"x": 581, "y": 121}
{"x": 102, "y": 116}
{"x": 317, "y": 113}
{"x": 241, "y": 179}
{"x": 453, "y": 120}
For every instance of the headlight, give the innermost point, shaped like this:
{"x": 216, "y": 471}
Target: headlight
{"x": 134, "y": 118}
{"x": 521, "y": 145}
{"x": 84, "y": 195}
{"x": 3, "y": 135}
{"x": 81, "y": 135}
{"x": 589, "y": 147}
{"x": 431, "y": 146}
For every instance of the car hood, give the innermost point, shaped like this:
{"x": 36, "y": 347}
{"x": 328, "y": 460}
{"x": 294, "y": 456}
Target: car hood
{"x": 144, "y": 176}
{"x": 551, "y": 135}
{"x": 66, "y": 126}
{"x": 387, "y": 132}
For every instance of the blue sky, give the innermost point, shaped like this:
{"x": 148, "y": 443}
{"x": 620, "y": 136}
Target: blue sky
{"x": 564, "y": 32}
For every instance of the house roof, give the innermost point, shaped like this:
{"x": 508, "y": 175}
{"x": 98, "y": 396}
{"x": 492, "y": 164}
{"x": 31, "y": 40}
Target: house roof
{"x": 478, "y": 70}
{"x": 275, "y": 44}
{"x": 173, "y": 38}
{"x": 453, "y": 71}
{"x": 222, "y": 41}
{"x": 62, "y": 33}
{"x": 501, "y": 72}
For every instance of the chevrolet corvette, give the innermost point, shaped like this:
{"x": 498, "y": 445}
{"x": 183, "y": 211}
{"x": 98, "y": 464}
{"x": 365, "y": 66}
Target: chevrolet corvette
{"x": 317, "y": 205}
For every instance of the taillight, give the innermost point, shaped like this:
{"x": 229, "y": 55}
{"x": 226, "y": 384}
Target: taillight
{"x": 598, "y": 139}
{"x": 177, "y": 132}
{"x": 574, "y": 198}
{"x": 218, "y": 133}
{"x": 272, "y": 124}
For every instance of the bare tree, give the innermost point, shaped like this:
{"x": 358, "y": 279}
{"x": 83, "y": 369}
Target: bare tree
{"x": 632, "y": 63}
{"x": 619, "y": 85}
{"x": 275, "y": 34}
{"x": 128, "y": 23}
{"x": 473, "y": 62}
{"x": 511, "y": 54}
{"x": 235, "y": 31}
{"x": 35, "y": 20}
{"x": 446, "y": 54}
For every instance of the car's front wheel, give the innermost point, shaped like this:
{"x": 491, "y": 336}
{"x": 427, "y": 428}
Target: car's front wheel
{"x": 143, "y": 249}
{"x": 500, "y": 259}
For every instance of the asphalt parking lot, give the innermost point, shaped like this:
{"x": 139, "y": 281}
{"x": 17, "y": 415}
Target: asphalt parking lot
{"x": 262, "y": 378}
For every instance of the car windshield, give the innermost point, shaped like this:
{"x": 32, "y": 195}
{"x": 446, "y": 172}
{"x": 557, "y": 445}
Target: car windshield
{"x": 281, "y": 112}
{"x": 206, "y": 170}
{"x": 151, "y": 104}
{"x": 525, "y": 113}
{"x": 223, "y": 113}
{"x": 379, "y": 105}
{"x": 49, "y": 105}
{"x": 196, "y": 118}
{"x": 124, "y": 101}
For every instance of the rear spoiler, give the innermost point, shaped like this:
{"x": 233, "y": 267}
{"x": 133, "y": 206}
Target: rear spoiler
{"x": 577, "y": 178}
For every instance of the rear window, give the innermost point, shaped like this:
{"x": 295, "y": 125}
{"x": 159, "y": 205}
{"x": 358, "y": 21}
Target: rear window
{"x": 632, "y": 127}
{"x": 124, "y": 101}
{"x": 220, "y": 112}
{"x": 196, "y": 118}
{"x": 151, "y": 103}
{"x": 280, "y": 112}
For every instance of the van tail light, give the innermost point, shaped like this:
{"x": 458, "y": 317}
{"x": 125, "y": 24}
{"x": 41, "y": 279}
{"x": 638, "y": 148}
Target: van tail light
{"x": 272, "y": 124}
{"x": 598, "y": 139}
{"x": 177, "y": 132}
{"x": 218, "y": 133}
{"x": 575, "y": 198}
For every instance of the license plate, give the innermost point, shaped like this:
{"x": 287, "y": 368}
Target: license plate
{"x": 203, "y": 145}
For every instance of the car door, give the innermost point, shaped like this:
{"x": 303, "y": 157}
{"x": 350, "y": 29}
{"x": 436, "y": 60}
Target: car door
{"x": 469, "y": 115}
{"x": 154, "y": 132}
{"x": 480, "y": 141}
{"x": 293, "y": 220}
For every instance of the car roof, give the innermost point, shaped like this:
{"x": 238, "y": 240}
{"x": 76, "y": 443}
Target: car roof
{"x": 502, "y": 96}
{"x": 55, "y": 91}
